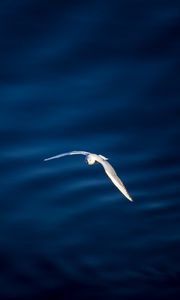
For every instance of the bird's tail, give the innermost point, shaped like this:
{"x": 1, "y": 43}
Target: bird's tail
{"x": 103, "y": 157}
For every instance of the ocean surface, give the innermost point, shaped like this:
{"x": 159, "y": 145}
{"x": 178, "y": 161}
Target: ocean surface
{"x": 103, "y": 77}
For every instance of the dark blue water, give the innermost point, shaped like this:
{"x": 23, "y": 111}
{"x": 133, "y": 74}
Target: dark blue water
{"x": 104, "y": 77}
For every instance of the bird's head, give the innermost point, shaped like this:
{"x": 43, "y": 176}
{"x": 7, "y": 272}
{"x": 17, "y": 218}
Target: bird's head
{"x": 90, "y": 159}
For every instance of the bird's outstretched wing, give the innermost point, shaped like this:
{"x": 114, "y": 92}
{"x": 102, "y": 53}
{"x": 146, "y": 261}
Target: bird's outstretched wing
{"x": 67, "y": 153}
{"x": 115, "y": 179}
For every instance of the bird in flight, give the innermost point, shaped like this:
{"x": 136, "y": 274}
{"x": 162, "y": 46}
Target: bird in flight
{"x": 92, "y": 158}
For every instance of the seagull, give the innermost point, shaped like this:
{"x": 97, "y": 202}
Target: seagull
{"x": 91, "y": 159}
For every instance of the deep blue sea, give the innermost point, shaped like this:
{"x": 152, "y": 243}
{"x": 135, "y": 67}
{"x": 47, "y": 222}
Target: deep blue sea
{"x": 103, "y": 77}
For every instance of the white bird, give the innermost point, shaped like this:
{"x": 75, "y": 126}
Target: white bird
{"x": 91, "y": 158}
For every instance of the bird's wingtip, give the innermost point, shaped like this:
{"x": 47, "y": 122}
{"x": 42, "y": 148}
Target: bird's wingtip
{"x": 45, "y": 159}
{"x": 130, "y": 199}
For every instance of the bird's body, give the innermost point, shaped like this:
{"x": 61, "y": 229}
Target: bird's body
{"x": 91, "y": 158}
